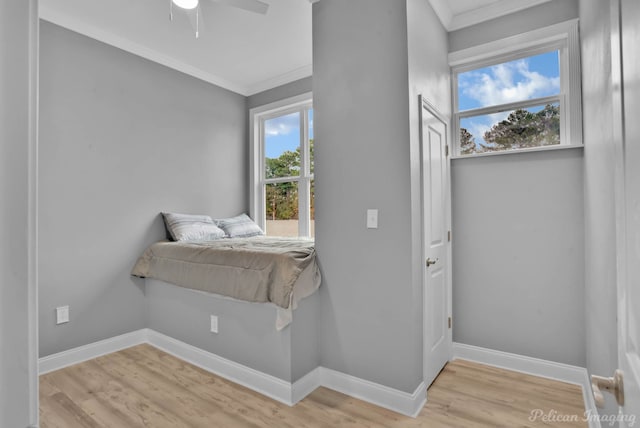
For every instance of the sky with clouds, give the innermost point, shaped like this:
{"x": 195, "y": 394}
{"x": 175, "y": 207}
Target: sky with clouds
{"x": 523, "y": 79}
{"x": 282, "y": 133}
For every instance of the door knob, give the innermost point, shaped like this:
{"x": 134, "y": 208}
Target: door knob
{"x": 431, "y": 262}
{"x": 614, "y": 385}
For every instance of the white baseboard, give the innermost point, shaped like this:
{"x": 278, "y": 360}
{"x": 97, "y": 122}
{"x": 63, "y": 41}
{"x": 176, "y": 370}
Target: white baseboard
{"x": 271, "y": 386}
{"x": 291, "y": 393}
{"x": 533, "y": 366}
{"x": 93, "y": 350}
{"x": 305, "y": 385}
{"x": 380, "y": 395}
{"x": 520, "y": 363}
{"x": 263, "y": 383}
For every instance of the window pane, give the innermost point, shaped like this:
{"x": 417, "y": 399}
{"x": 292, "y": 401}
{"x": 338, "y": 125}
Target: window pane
{"x": 522, "y": 79}
{"x": 312, "y": 230}
{"x": 282, "y": 208}
{"x": 311, "y": 140}
{"x": 282, "y": 146}
{"x": 522, "y": 128}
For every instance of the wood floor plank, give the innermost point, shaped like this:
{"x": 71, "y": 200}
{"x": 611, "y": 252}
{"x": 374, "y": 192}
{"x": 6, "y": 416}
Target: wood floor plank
{"x": 145, "y": 387}
{"x": 524, "y": 395}
{"x": 128, "y": 405}
{"x": 192, "y": 409}
{"x": 251, "y": 406}
{"x": 46, "y": 387}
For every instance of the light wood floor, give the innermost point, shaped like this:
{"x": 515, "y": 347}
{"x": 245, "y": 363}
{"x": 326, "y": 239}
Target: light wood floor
{"x": 145, "y": 387}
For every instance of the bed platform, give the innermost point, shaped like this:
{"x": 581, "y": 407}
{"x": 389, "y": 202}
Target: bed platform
{"x": 246, "y": 333}
{"x": 260, "y": 269}
{"x": 252, "y": 285}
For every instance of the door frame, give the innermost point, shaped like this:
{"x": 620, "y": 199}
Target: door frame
{"x": 423, "y": 103}
{"x": 32, "y": 214}
{"x": 621, "y": 166}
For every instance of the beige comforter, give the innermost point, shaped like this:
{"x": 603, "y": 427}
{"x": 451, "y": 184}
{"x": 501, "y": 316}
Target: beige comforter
{"x": 258, "y": 269}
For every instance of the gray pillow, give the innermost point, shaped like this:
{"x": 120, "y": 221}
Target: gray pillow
{"x": 239, "y": 227}
{"x": 188, "y": 227}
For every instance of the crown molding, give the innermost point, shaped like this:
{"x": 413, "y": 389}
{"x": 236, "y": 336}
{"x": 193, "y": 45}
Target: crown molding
{"x": 92, "y": 31}
{"x": 466, "y": 19}
{"x": 76, "y": 25}
{"x": 494, "y": 10}
{"x": 283, "y": 79}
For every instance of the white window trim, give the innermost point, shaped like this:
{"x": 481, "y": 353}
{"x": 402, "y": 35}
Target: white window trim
{"x": 564, "y": 37}
{"x": 257, "y": 116}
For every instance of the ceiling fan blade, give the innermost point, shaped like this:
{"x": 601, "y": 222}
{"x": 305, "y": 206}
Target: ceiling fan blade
{"x": 255, "y": 6}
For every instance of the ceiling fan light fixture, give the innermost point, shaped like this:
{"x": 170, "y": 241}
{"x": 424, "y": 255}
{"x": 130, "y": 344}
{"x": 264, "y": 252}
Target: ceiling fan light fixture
{"x": 186, "y": 4}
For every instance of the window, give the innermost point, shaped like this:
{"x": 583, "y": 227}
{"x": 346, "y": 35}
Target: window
{"x": 520, "y": 93}
{"x": 282, "y": 167}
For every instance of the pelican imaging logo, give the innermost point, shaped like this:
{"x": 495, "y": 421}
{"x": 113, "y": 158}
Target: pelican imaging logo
{"x": 555, "y": 417}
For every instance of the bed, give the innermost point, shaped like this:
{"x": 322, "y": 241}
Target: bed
{"x": 262, "y": 269}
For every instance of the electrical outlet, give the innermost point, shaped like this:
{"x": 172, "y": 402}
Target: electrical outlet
{"x": 372, "y": 219}
{"x": 214, "y": 324}
{"x": 62, "y": 314}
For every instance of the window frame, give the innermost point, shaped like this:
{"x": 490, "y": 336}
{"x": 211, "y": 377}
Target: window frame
{"x": 257, "y": 117}
{"x": 562, "y": 37}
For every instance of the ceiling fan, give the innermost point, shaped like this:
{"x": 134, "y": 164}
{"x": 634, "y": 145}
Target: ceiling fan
{"x": 255, "y": 6}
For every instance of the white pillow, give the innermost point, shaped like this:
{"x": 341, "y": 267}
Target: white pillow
{"x": 188, "y": 227}
{"x": 239, "y": 227}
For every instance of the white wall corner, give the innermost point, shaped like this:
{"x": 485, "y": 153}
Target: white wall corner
{"x": 533, "y": 366}
{"x": 442, "y": 9}
{"x": 398, "y": 401}
{"x": 305, "y": 385}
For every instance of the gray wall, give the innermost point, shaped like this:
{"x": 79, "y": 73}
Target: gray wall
{"x": 529, "y": 19}
{"x": 15, "y": 22}
{"x": 289, "y": 90}
{"x": 429, "y": 76}
{"x": 370, "y": 318}
{"x": 121, "y": 139}
{"x": 518, "y": 254}
{"x": 518, "y": 244}
{"x": 600, "y": 219}
{"x": 247, "y": 333}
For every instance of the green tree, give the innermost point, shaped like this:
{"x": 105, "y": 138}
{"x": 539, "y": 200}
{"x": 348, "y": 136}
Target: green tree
{"x": 522, "y": 129}
{"x": 467, "y": 142}
{"x": 282, "y": 198}
{"x": 282, "y": 201}
{"x": 286, "y": 165}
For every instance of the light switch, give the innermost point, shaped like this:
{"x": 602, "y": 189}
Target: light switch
{"x": 62, "y": 314}
{"x": 214, "y": 324}
{"x": 372, "y": 219}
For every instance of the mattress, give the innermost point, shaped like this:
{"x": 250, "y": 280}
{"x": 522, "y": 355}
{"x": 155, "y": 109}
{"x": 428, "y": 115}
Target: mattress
{"x": 259, "y": 269}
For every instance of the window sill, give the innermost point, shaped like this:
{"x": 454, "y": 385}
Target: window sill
{"x": 511, "y": 152}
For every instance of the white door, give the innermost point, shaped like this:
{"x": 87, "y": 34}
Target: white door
{"x": 435, "y": 200}
{"x": 626, "y": 14}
